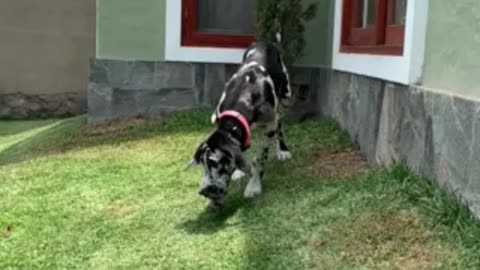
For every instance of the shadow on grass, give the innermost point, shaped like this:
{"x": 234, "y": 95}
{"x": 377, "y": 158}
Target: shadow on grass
{"x": 10, "y": 127}
{"x": 212, "y": 221}
{"x": 36, "y": 143}
{"x": 73, "y": 134}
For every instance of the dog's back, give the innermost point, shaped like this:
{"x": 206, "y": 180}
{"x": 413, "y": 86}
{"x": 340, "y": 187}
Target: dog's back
{"x": 260, "y": 88}
{"x": 251, "y": 93}
{"x": 269, "y": 56}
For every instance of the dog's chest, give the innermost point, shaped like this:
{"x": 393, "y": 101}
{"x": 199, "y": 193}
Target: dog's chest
{"x": 267, "y": 118}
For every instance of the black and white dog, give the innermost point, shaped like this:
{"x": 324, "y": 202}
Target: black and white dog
{"x": 256, "y": 96}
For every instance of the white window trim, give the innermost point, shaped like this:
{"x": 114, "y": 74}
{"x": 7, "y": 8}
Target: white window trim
{"x": 173, "y": 39}
{"x": 406, "y": 69}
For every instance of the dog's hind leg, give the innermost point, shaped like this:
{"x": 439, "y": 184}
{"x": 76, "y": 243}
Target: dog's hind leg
{"x": 254, "y": 186}
{"x": 282, "y": 150}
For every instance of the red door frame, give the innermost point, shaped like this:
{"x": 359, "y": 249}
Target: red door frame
{"x": 191, "y": 37}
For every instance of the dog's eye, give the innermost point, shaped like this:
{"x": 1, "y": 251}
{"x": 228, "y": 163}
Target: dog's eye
{"x": 224, "y": 160}
{"x": 211, "y": 163}
{"x": 223, "y": 171}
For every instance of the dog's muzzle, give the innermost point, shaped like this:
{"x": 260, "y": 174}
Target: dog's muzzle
{"x": 213, "y": 192}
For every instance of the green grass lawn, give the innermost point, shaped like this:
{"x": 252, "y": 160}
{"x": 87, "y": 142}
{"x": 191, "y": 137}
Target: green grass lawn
{"x": 120, "y": 198}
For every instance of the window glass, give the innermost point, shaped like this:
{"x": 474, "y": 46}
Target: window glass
{"x": 366, "y": 13}
{"x": 233, "y": 17}
{"x": 371, "y": 12}
{"x": 397, "y": 11}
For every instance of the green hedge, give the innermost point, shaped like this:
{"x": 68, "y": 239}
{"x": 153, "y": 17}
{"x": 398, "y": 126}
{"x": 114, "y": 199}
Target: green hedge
{"x": 287, "y": 17}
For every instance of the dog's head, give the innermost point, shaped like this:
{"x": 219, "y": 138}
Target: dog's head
{"x": 220, "y": 157}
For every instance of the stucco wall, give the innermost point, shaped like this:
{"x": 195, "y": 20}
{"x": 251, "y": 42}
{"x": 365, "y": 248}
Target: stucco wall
{"x": 135, "y": 30}
{"x": 45, "y": 46}
{"x": 319, "y": 36}
{"x": 452, "y": 59}
{"x": 131, "y": 30}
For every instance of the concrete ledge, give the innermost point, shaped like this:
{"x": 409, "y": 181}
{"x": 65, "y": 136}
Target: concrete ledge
{"x": 435, "y": 134}
{"x": 129, "y": 89}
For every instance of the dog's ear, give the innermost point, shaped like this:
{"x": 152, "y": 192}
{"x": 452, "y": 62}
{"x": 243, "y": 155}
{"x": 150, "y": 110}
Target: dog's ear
{"x": 191, "y": 164}
{"x": 197, "y": 157}
{"x": 241, "y": 163}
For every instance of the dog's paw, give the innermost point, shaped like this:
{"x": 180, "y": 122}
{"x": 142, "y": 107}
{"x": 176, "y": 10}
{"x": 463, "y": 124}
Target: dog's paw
{"x": 237, "y": 175}
{"x": 283, "y": 155}
{"x": 253, "y": 189}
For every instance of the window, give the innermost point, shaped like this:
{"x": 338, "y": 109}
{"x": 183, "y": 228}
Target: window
{"x": 218, "y": 23}
{"x": 393, "y": 51}
{"x": 373, "y": 26}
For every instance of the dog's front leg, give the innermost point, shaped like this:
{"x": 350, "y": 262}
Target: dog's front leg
{"x": 238, "y": 174}
{"x": 254, "y": 186}
{"x": 282, "y": 150}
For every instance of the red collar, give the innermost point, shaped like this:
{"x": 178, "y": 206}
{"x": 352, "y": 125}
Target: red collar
{"x": 244, "y": 123}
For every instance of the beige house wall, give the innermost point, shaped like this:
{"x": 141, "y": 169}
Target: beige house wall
{"x": 45, "y": 46}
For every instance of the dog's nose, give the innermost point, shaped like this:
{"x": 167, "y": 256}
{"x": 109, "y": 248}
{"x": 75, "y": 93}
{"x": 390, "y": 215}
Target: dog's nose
{"x": 203, "y": 192}
{"x": 212, "y": 191}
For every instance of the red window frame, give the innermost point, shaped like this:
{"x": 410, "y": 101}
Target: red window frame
{"x": 191, "y": 37}
{"x": 384, "y": 38}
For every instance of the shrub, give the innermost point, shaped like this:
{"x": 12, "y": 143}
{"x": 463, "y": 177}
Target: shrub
{"x": 287, "y": 17}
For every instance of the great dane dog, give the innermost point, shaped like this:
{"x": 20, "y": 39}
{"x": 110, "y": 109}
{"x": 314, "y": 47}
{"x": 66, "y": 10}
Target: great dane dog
{"x": 257, "y": 96}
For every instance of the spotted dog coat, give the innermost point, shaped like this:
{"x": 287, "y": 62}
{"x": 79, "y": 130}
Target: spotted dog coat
{"x": 257, "y": 96}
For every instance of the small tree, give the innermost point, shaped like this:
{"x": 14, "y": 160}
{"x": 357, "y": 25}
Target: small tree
{"x": 287, "y": 17}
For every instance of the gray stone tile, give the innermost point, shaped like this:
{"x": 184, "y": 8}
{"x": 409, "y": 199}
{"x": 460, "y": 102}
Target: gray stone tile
{"x": 464, "y": 111}
{"x": 98, "y": 72}
{"x": 451, "y": 147}
{"x": 139, "y": 75}
{"x": 411, "y": 144}
{"x": 302, "y": 75}
{"x": 368, "y": 109}
{"x": 174, "y": 75}
{"x": 339, "y": 90}
{"x": 99, "y": 102}
{"x": 110, "y": 72}
{"x": 385, "y": 152}
{"x": 472, "y": 191}
{"x": 123, "y": 103}
{"x": 199, "y": 84}
{"x": 473, "y": 166}
{"x": 159, "y": 102}
{"x": 358, "y": 103}
{"x": 305, "y": 88}
{"x": 322, "y": 106}
{"x": 214, "y": 83}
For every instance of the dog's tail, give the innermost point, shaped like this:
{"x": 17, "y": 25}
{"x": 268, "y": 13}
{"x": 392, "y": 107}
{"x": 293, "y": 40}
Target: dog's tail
{"x": 279, "y": 33}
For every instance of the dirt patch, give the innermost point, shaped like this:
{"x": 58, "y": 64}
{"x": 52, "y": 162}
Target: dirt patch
{"x": 386, "y": 241}
{"x": 339, "y": 164}
{"x": 7, "y": 231}
{"x": 116, "y": 127}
